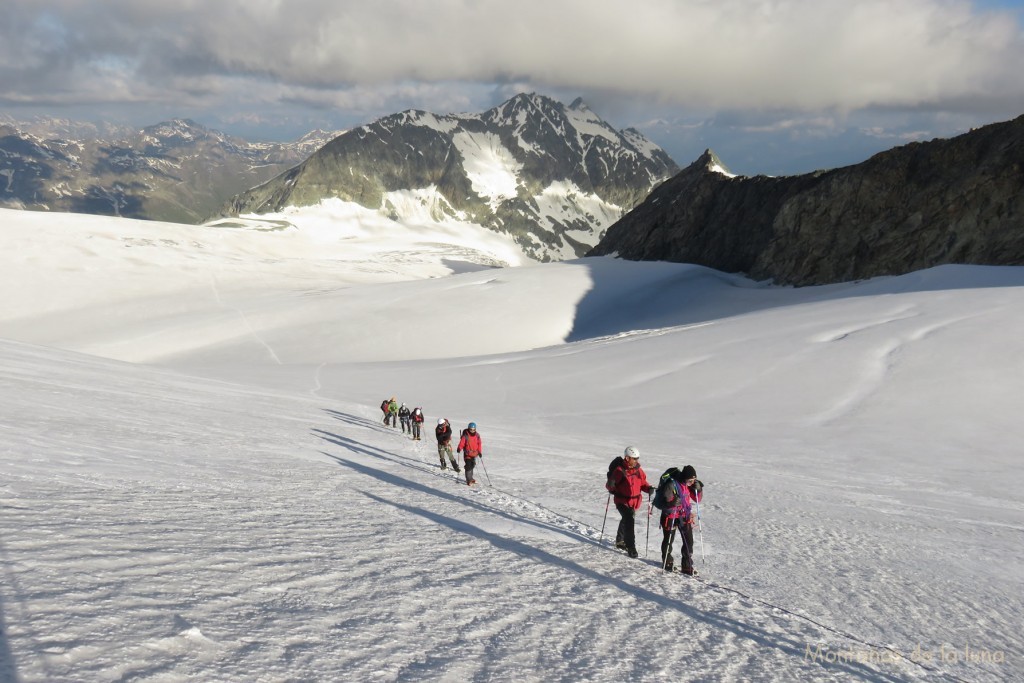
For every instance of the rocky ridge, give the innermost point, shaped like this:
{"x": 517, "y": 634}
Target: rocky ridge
{"x": 177, "y": 171}
{"x": 958, "y": 200}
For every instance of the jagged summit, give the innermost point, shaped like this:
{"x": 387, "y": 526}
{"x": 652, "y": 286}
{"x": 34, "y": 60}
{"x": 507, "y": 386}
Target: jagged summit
{"x": 180, "y": 131}
{"x": 709, "y": 161}
{"x": 529, "y": 102}
{"x": 579, "y": 104}
{"x": 176, "y": 125}
{"x": 525, "y": 109}
{"x": 553, "y": 177}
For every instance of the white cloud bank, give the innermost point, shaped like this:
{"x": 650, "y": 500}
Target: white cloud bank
{"x": 810, "y": 54}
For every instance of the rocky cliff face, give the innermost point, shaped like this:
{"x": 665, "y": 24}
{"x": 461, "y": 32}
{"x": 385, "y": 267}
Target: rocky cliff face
{"x": 553, "y": 177}
{"x": 176, "y": 171}
{"x": 946, "y": 201}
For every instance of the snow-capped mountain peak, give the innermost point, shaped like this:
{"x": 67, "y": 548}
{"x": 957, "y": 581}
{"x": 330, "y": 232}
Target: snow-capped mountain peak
{"x": 553, "y": 177}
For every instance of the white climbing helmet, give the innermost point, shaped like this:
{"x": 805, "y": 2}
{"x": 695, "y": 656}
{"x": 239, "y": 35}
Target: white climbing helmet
{"x": 440, "y": 421}
{"x": 631, "y": 452}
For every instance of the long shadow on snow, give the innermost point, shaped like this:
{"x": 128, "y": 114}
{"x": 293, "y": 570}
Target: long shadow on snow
{"x": 758, "y": 635}
{"x": 8, "y": 668}
{"x": 632, "y": 295}
{"x": 357, "y": 421}
{"x": 357, "y": 447}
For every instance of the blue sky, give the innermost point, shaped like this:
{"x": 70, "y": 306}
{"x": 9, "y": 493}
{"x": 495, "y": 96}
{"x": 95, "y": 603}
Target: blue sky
{"x": 773, "y": 86}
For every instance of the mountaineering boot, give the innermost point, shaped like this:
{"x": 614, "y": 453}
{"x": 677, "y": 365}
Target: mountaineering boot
{"x": 632, "y": 552}
{"x": 621, "y": 545}
{"x": 690, "y": 572}
{"x": 669, "y": 566}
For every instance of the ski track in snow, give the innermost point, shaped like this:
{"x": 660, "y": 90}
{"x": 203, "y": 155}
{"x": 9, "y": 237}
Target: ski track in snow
{"x": 245, "y": 321}
{"x": 883, "y": 358}
{"x": 315, "y": 391}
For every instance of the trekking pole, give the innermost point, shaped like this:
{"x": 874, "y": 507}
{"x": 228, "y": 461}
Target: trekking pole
{"x": 600, "y": 541}
{"x": 647, "y": 546}
{"x": 481, "y": 456}
{"x": 700, "y": 530}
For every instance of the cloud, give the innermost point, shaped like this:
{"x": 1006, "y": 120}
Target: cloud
{"x": 794, "y": 54}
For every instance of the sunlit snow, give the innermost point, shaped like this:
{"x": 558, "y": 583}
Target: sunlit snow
{"x": 588, "y": 123}
{"x": 716, "y": 168}
{"x": 565, "y": 201}
{"x": 196, "y": 484}
{"x": 491, "y": 167}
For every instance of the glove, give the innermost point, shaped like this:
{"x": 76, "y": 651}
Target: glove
{"x": 458, "y": 450}
{"x": 480, "y": 455}
{"x": 698, "y": 486}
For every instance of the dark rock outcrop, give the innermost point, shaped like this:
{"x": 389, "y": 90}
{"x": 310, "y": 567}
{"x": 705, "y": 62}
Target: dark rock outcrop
{"x": 959, "y": 200}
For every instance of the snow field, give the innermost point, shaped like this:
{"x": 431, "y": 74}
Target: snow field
{"x": 195, "y": 485}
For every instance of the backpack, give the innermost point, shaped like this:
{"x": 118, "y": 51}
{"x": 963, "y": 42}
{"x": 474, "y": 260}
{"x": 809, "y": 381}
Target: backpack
{"x": 667, "y": 479}
{"x": 612, "y": 466}
{"x": 384, "y": 404}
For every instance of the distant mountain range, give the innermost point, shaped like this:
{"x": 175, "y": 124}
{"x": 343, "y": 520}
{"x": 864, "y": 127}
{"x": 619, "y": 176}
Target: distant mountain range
{"x": 553, "y": 177}
{"x": 558, "y": 180}
{"x": 958, "y": 200}
{"x": 176, "y": 171}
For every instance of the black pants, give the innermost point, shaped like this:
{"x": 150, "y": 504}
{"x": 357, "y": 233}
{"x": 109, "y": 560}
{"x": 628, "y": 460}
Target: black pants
{"x": 415, "y": 429}
{"x": 470, "y": 464}
{"x": 627, "y": 527}
{"x": 685, "y": 533}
